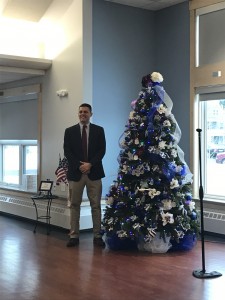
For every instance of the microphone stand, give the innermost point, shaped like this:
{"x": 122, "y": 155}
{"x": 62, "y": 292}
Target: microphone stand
{"x": 202, "y": 273}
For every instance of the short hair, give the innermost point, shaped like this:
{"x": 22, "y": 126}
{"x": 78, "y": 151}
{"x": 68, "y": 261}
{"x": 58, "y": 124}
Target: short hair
{"x": 86, "y": 105}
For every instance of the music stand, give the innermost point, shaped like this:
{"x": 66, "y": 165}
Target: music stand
{"x": 45, "y": 194}
{"x": 202, "y": 273}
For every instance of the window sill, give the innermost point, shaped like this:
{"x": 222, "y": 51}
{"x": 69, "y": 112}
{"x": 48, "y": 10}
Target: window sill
{"x": 216, "y": 205}
{"x": 15, "y": 191}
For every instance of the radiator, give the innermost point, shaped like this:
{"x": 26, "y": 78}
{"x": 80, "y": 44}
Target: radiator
{"x": 59, "y": 213}
{"x": 213, "y": 221}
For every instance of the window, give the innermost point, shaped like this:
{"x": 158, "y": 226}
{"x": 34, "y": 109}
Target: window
{"x": 19, "y": 132}
{"x": 10, "y": 164}
{"x": 213, "y": 145}
{"x": 210, "y": 27}
{"x": 18, "y": 164}
{"x": 30, "y": 160}
{"x": 207, "y": 58}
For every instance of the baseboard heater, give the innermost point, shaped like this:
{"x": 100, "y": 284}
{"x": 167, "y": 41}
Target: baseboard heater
{"x": 213, "y": 221}
{"x": 60, "y": 214}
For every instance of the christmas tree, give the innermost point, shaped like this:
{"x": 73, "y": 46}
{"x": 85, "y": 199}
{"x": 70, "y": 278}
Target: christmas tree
{"x": 152, "y": 195}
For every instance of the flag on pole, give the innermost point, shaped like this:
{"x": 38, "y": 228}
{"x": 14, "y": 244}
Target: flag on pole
{"x": 61, "y": 171}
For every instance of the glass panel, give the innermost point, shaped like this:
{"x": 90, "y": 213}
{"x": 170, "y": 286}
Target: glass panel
{"x": 211, "y": 37}
{"x": 213, "y": 125}
{"x": 11, "y": 164}
{"x": 30, "y": 160}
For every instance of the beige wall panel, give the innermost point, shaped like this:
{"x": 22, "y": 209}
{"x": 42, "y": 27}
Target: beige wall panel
{"x": 203, "y": 76}
{"x": 194, "y": 4}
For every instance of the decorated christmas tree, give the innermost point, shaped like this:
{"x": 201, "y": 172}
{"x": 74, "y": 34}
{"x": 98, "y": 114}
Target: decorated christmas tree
{"x": 151, "y": 200}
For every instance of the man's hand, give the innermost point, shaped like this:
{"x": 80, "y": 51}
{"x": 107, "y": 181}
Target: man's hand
{"x": 85, "y": 167}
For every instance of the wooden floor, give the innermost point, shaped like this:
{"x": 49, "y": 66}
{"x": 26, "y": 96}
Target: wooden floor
{"x": 40, "y": 267}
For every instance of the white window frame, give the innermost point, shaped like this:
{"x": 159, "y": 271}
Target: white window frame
{"x": 210, "y": 93}
{"x": 201, "y": 77}
{"x": 22, "y": 184}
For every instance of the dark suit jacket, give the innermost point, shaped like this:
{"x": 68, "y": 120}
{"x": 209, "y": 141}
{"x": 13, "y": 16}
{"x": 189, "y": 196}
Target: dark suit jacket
{"x": 74, "y": 154}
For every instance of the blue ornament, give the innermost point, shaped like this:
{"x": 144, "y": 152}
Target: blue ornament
{"x": 183, "y": 171}
{"x": 188, "y": 197}
{"x": 193, "y": 215}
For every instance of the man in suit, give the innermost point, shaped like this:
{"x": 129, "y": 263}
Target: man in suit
{"x": 84, "y": 148}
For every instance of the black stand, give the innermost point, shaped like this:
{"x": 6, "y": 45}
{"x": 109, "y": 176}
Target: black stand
{"x": 202, "y": 273}
{"x": 46, "y": 217}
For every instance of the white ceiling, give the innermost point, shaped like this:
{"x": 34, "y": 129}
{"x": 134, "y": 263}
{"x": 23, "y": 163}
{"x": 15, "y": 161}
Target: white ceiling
{"x": 13, "y": 68}
{"x": 33, "y": 10}
{"x": 29, "y": 10}
{"x": 148, "y": 4}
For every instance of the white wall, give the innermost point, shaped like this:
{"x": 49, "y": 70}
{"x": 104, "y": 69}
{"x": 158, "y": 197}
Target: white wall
{"x": 59, "y": 36}
{"x": 64, "y": 35}
{"x": 66, "y": 73}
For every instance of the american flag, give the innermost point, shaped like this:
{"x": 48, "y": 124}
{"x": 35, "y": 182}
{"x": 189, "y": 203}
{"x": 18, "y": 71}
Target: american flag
{"x": 61, "y": 171}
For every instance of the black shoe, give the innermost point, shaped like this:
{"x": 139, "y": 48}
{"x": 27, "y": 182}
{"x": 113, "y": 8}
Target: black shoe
{"x": 99, "y": 242}
{"x": 73, "y": 242}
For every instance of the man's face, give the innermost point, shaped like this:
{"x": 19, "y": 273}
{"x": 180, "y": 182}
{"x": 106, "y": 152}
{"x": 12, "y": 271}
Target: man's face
{"x": 84, "y": 115}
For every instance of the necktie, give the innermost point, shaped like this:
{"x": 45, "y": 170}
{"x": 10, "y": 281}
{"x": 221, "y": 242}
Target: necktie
{"x": 84, "y": 143}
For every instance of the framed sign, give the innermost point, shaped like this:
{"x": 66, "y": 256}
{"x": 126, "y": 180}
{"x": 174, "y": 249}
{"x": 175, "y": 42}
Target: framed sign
{"x": 45, "y": 186}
